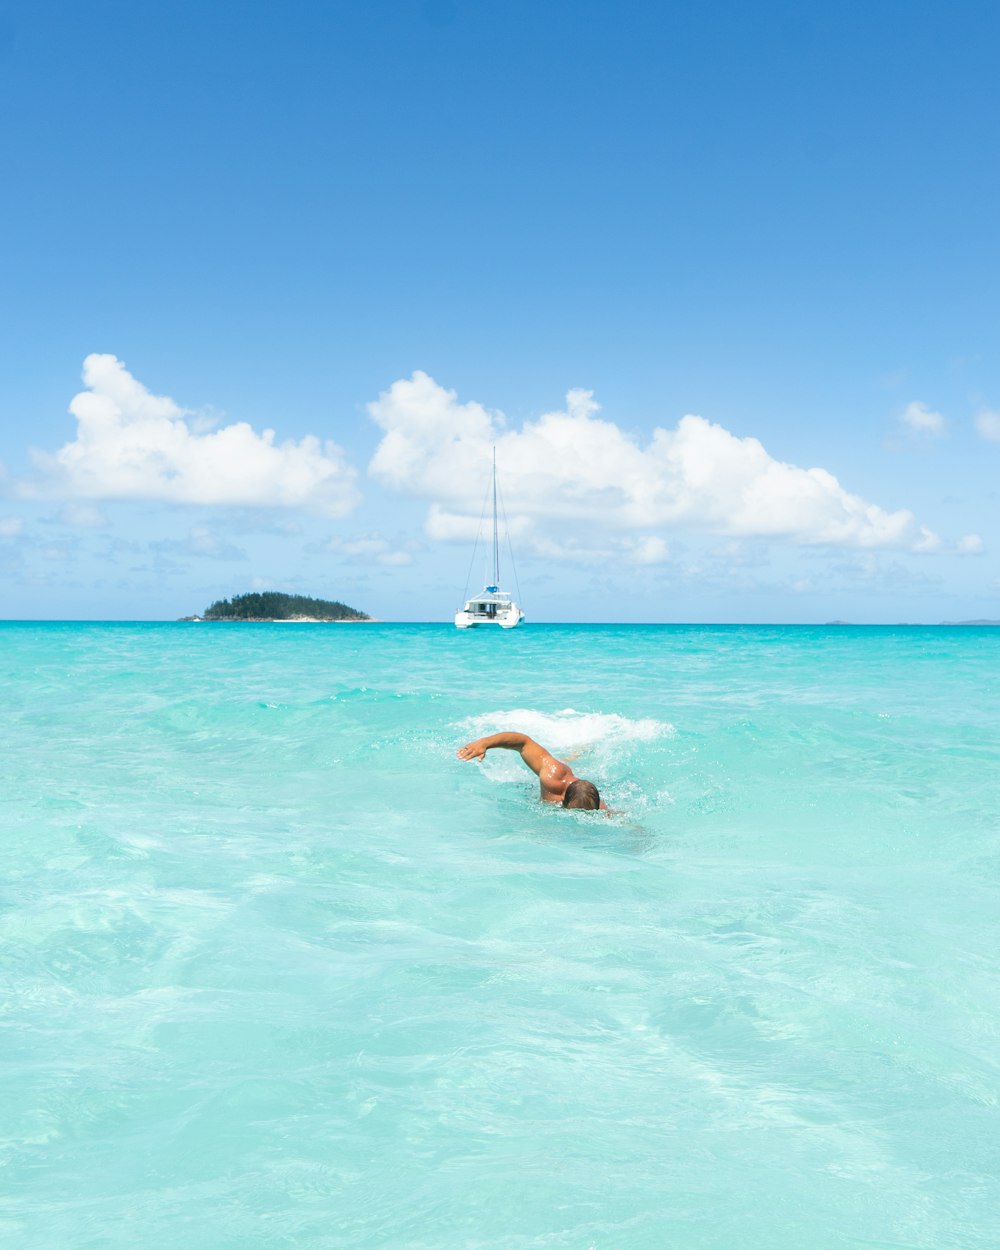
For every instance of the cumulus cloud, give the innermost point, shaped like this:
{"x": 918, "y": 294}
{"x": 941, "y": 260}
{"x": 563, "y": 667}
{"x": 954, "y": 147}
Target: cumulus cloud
{"x": 988, "y": 425}
{"x": 10, "y": 526}
{"x": 971, "y": 545}
{"x": 131, "y": 444}
{"x": 917, "y": 418}
{"x": 573, "y": 466}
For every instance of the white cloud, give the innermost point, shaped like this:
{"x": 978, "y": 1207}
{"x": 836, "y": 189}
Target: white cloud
{"x": 988, "y": 425}
{"x": 577, "y": 468}
{"x": 201, "y": 541}
{"x": 927, "y": 542}
{"x": 10, "y": 526}
{"x": 83, "y": 516}
{"x": 971, "y": 545}
{"x": 131, "y": 444}
{"x": 371, "y": 548}
{"x": 569, "y": 549}
{"x": 919, "y": 419}
{"x": 649, "y": 550}
{"x": 54, "y": 552}
{"x": 445, "y": 526}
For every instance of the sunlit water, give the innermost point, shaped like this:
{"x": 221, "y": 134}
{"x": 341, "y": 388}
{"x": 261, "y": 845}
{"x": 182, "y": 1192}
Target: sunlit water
{"x": 280, "y": 971}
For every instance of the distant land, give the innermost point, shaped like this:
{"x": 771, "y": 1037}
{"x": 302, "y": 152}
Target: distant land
{"x": 908, "y": 624}
{"x": 272, "y": 605}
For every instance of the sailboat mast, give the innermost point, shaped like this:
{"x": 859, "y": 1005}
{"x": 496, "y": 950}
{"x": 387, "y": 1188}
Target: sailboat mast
{"x": 496, "y": 541}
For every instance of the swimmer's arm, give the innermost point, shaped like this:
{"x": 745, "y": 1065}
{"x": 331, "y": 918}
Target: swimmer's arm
{"x": 534, "y": 755}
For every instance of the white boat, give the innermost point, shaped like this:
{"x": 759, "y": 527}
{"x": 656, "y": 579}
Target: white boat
{"x": 492, "y": 606}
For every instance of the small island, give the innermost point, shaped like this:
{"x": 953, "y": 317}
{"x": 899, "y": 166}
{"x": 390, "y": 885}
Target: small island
{"x": 272, "y": 605}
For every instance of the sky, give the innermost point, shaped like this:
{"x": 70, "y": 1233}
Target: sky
{"x": 718, "y": 281}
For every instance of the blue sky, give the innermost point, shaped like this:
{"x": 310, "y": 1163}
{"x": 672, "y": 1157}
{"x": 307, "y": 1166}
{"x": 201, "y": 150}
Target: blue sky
{"x": 718, "y": 279}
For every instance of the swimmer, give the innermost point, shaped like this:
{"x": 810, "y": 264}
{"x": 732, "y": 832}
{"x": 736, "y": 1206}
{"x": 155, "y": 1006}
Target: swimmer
{"x": 556, "y": 780}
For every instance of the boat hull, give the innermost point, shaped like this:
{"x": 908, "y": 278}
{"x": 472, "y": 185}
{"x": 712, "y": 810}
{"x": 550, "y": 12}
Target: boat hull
{"x": 473, "y": 620}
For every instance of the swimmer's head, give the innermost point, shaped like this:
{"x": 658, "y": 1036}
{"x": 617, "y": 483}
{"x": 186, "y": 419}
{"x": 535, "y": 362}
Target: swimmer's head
{"x": 582, "y": 795}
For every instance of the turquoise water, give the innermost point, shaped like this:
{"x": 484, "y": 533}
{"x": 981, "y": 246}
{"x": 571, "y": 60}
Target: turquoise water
{"x": 280, "y": 971}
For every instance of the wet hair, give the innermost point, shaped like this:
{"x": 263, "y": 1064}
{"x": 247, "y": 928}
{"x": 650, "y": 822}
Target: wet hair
{"x": 583, "y": 795}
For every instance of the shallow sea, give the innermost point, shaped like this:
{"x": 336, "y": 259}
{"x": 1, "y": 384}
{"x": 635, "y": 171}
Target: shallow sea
{"x": 278, "y": 970}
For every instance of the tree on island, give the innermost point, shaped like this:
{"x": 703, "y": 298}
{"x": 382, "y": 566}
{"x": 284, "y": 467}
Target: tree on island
{"x": 272, "y": 605}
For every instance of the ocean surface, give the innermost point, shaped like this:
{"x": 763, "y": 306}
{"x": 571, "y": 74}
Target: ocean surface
{"x": 278, "y": 970}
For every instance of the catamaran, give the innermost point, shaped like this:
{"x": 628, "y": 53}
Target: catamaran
{"x": 492, "y": 606}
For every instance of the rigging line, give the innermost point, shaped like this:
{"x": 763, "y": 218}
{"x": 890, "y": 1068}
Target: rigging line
{"x": 510, "y": 548}
{"x": 496, "y": 545}
{"x": 475, "y": 548}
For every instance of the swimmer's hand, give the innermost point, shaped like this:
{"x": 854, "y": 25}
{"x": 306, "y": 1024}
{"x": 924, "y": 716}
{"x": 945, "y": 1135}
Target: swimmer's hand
{"x": 472, "y": 750}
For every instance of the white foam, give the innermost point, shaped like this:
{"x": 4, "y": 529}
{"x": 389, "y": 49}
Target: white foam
{"x": 596, "y": 738}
